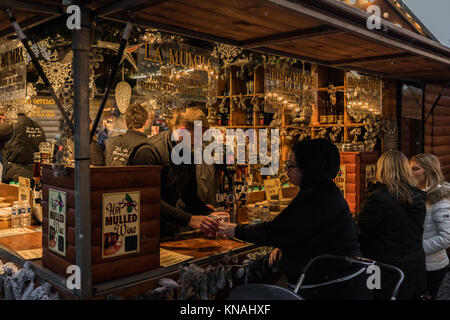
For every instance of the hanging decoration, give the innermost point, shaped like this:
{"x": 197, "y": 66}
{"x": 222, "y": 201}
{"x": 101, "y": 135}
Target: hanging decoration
{"x": 364, "y": 95}
{"x": 123, "y": 94}
{"x": 226, "y": 53}
{"x": 204, "y": 283}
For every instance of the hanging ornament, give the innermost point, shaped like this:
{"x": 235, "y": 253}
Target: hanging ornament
{"x": 123, "y": 94}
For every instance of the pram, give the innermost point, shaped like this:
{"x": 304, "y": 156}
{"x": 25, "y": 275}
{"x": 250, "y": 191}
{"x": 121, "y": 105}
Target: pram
{"x": 272, "y": 292}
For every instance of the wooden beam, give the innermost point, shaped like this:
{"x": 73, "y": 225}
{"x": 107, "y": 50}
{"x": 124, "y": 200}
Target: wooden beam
{"x": 441, "y": 73}
{"x": 289, "y": 55}
{"x": 121, "y": 17}
{"x": 361, "y": 30}
{"x": 124, "y": 5}
{"x": 31, "y": 6}
{"x": 373, "y": 58}
{"x": 29, "y": 23}
{"x": 291, "y": 35}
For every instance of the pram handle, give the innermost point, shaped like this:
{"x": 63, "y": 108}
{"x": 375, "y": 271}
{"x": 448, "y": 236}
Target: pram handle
{"x": 352, "y": 260}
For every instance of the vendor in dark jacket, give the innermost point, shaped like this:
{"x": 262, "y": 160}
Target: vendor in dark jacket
{"x": 119, "y": 148}
{"x": 391, "y": 223}
{"x": 19, "y": 151}
{"x": 6, "y": 133}
{"x": 318, "y": 221}
{"x": 181, "y": 207}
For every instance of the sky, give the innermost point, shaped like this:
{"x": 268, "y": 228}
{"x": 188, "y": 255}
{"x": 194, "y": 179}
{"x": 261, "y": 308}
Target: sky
{"x": 434, "y": 14}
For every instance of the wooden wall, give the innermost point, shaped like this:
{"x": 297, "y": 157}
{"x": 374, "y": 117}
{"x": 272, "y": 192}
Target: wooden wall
{"x": 411, "y": 120}
{"x": 437, "y": 128}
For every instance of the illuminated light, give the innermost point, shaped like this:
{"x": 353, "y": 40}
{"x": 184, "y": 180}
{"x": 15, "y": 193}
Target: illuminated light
{"x": 386, "y": 15}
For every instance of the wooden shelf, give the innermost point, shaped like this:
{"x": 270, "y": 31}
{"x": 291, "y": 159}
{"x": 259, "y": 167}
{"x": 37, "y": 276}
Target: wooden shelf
{"x": 338, "y": 88}
{"x": 356, "y": 124}
{"x": 243, "y": 126}
{"x": 244, "y": 95}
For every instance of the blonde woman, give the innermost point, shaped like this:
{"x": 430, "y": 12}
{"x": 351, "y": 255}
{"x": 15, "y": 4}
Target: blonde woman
{"x": 436, "y": 237}
{"x": 391, "y": 224}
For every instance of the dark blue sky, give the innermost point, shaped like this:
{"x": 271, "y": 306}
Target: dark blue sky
{"x": 434, "y": 14}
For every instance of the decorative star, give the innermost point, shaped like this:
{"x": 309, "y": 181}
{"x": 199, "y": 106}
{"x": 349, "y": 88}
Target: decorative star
{"x": 127, "y": 54}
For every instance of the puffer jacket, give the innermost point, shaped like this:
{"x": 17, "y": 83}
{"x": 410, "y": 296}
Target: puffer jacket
{"x": 436, "y": 236}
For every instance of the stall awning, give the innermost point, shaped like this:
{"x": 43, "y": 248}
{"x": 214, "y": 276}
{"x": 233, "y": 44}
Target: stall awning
{"x": 28, "y": 14}
{"x": 326, "y": 32}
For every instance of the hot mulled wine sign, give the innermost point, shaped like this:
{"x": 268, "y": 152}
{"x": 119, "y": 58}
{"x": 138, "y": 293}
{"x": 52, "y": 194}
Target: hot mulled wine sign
{"x": 57, "y": 207}
{"x": 341, "y": 179}
{"x": 120, "y": 223}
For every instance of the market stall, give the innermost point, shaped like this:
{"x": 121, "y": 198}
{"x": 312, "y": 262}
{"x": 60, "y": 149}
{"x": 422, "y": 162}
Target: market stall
{"x": 281, "y": 70}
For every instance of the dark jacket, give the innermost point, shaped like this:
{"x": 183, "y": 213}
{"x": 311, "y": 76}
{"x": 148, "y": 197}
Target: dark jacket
{"x": 178, "y": 182}
{"x": 392, "y": 233}
{"x": 316, "y": 222}
{"x": 119, "y": 148}
{"x": 97, "y": 154}
{"x": 19, "y": 151}
{"x": 6, "y": 133}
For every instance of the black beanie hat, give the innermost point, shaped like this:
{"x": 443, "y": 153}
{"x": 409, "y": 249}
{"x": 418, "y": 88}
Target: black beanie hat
{"x": 319, "y": 159}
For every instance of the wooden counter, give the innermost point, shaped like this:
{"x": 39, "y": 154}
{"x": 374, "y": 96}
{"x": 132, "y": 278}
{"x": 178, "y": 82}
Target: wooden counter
{"x": 205, "y": 251}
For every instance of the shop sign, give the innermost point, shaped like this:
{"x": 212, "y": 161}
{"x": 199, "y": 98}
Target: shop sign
{"x": 57, "y": 208}
{"x": 120, "y": 223}
{"x": 272, "y": 188}
{"x": 13, "y": 71}
{"x": 173, "y": 70}
{"x": 289, "y": 88}
{"x": 341, "y": 179}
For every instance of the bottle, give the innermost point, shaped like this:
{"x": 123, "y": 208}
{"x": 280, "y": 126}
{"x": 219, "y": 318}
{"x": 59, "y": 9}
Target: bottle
{"x": 256, "y": 212}
{"x": 26, "y": 215}
{"x": 261, "y": 118}
{"x": 330, "y": 112}
{"x": 340, "y": 107}
{"x": 15, "y": 219}
{"x": 265, "y": 213}
{"x": 323, "y": 119}
{"x": 22, "y": 214}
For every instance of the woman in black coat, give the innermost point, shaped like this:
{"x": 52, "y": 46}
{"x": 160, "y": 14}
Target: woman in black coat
{"x": 391, "y": 223}
{"x": 316, "y": 222}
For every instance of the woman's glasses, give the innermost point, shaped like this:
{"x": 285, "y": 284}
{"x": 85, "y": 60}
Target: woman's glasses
{"x": 290, "y": 165}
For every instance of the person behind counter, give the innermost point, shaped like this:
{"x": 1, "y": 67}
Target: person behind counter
{"x": 391, "y": 222}
{"x": 19, "y": 151}
{"x": 178, "y": 182}
{"x": 119, "y": 148}
{"x": 317, "y": 221}
{"x": 6, "y": 133}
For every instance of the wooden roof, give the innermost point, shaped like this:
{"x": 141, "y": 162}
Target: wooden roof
{"x": 327, "y": 32}
{"x": 28, "y": 13}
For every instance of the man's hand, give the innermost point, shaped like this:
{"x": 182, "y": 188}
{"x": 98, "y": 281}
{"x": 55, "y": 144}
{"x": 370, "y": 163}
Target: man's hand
{"x": 227, "y": 229}
{"x": 274, "y": 256}
{"x": 204, "y": 223}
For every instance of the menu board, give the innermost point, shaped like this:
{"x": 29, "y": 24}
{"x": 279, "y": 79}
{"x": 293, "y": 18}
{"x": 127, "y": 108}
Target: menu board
{"x": 57, "y": 208}
{"x": 273, "y": 189}
{"x": 169, "y": 258}
{"x": 120, "y": 223}
{"x": 32, "y": 254}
